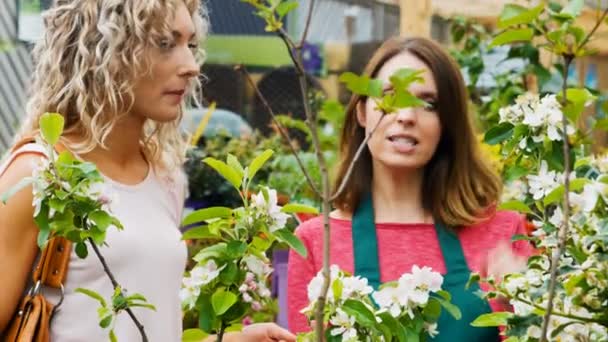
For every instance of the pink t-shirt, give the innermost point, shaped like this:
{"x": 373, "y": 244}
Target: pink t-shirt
{"x": 400, "y": 247}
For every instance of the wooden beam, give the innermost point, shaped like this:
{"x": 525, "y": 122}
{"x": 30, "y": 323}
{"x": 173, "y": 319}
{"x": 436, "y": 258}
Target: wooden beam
{"x": 416, "y": 18}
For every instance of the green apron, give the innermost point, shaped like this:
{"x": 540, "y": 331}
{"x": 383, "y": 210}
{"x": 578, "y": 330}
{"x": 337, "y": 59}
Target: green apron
{"x": 365, "y": 251}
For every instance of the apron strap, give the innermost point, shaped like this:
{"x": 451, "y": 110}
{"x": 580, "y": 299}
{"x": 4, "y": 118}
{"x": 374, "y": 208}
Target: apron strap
{"x": 365, "y": 242}
{"x": 451, "y": 248}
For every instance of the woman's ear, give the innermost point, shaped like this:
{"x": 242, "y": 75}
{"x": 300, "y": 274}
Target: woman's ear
{"x": 361, "y": 112}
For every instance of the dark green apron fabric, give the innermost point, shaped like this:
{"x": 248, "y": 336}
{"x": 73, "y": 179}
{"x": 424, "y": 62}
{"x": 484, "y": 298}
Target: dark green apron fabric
{"x": 365, "y": 251}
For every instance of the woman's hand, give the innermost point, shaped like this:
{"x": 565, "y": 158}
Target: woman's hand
{"x": 259, "y": 332}
{"x": 502, "y": 260}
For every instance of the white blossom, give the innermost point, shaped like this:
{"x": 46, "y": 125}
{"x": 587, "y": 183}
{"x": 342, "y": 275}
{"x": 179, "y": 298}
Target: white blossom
{"x": 271, "y": 209}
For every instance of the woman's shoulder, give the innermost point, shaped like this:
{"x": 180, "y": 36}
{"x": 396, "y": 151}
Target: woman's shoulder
{"x": 500, "y": 222}
{"x": 314, "y": 226}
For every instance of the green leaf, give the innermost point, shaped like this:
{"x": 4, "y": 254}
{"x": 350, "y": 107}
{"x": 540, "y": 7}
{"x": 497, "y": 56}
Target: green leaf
{"x": 494, "y": 319}
{"x": 258, "y": 162}
{"x": 15, "y": 189}
{"x": 51, "y": 127}
{"x": 222, "y": 300}
{"x": 554, "y": 196}
{"x": 236, "y": 249}
{"x": 106, "y": 321}
{"x": 412, "y": 335}
{"x": 288, "y": 237}
{"x": 395, "y": 326}
{"x": 82, "y": 250}
{"x": 577, "y": 99}
{"x": 207, "y": 214}
{"x": 432, "y": 310}
{"x": 217, "y": 250}
{"x": 101, "y": 218}
{"x": 516, "y": 205}
{"x": 444, "y": 294}
{"x": 93, "y": 295}
{"x": 206, "y": 317}
{"x": 229, "y": 273}
{"x": 360, "y": 312}
{"x": 286, "y": 7}
{"x": 573, "y": 8}
{"x": 43, "y": 236}
{"x": 517, "y": 15}
{"x": 362, "y": 85}
{"x": 225, "y": 171}
{"x": 571, "y": 283}
{"x": 235, "y": 165}
{"x": 112, "y": 336}
{"x": 202, "y": 232}
{"x": 299, "y": 208}
{"x": 193, "y": 335}
{"x": 512, "y": 36}
{"x": 337, "y": 287}
{"x": 499, "y": 133}
{"x": 450, "y": 308}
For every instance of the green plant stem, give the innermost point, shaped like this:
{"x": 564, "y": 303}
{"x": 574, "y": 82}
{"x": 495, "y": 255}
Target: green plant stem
{"x": 220, "y": 334}
{"x": 563, "y": 231}
{"x": 115, "y": 284}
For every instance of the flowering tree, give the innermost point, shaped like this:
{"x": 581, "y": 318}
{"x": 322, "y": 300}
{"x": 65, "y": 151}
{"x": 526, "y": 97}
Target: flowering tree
{"x": 230, "y": 279}
{"x": 553, "y": 178}
{"x": 403, "y": 310}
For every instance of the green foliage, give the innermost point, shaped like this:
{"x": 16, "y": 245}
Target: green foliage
{"x": 229, "y": 280}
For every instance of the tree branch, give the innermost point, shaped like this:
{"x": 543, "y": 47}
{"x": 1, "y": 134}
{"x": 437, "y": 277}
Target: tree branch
{"x": 563, "y": 232}
{"x": 281, "y": 129}
{"x": 352, "y": 164}
{"x": 307, "y": 26}
{"x": 115, "y": 284}
{"x": 597, "y": 25}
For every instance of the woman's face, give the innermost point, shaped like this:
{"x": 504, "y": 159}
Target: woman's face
{"x": 408, "y": 138}
{"x": 160, "y": 92}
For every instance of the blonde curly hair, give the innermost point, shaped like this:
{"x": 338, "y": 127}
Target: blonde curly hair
{"x": 87, "y": 62}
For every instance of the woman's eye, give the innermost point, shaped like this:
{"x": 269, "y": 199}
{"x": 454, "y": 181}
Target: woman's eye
{"x": 166, "y": 44}
{"x": 193, "y": 46}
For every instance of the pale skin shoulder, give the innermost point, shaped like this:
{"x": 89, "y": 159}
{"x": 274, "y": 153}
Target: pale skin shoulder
{"x": 18, "y": 233}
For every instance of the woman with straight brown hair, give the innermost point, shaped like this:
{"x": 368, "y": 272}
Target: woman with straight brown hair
{"x": 420, "y": 194}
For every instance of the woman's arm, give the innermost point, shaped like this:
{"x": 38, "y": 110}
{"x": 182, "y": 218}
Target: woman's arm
{"x": 18, "y": 233}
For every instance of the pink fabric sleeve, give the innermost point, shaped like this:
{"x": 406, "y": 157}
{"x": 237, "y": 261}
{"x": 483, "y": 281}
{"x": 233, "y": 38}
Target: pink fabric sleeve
{"x": 299, "y": 273}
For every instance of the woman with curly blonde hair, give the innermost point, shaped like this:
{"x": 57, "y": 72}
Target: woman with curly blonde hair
{"x": 119, "y": 71}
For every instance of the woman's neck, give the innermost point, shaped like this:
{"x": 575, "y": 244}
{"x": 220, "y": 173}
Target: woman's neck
{"x": 122, "y": 159}
{"x": 397, "y": 196}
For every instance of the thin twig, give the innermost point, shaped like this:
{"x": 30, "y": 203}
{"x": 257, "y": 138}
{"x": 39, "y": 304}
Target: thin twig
{"x": 563, "y": 232}
{"x": 352, "y": 165}
{"x": 115, "y": 284}
{"x": 561, "y": 314}
{"x": 597, "y": 25}
{"x": 307, "y": 26}
{"x": 292, "y": 50}
{"x": 281, "y": 129}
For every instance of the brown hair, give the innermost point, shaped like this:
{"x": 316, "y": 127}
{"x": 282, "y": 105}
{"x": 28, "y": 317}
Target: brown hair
{"x": 458, "y": 186}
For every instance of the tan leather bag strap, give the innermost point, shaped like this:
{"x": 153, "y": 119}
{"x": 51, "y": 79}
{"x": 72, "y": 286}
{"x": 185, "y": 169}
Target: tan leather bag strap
{"x": 52, "y": 266}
